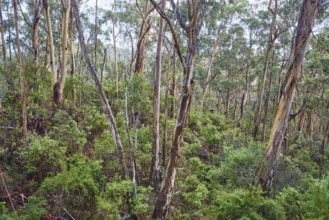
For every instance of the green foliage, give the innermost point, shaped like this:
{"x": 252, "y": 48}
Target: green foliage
{"x": 139, "y": 95}
{"x": 78, "y": 185}
{"x": 34, "y": 209}
{"x": 115, "y": 198}
{"x": 95, "y": 122}
{"x": 196, "y": 192}
{"x": 238, "y": 167}
{"x": 4, "y": 212}
{"x": 315, "y": 200}
{"x": 43, "y": 155}
{"x": 67, "y": 132}
{"x": 246, "y": 204}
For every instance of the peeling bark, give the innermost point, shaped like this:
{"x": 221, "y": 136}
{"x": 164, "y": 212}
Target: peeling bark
{"x": 35, "y": 37}
{"x": 162, "y": 205}
{"x": 155, "y": 172}
{"x": 305, "y": 24}
{"x": 50, "y": 43}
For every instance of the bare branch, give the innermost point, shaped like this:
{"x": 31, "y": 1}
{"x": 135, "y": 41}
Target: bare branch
{"x": 164, "y": 16}
{"x": 181, "y": 21}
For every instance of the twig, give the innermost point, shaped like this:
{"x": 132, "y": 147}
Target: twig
{"x": 52, "y": 197}
{"x": 7, "y": 127}
{"x": 8, "y": 194}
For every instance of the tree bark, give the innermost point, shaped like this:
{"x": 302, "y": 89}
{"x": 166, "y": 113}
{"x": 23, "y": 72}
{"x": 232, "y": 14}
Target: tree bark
{"x": 35, "y": 36}
{"x": 96, "y": 29}
{"x": 73, "y": 68}
{"x": 105, "y": 105}
{"x": 165, "y": 132}
{"x": 51, "y": 44}
{"x": 305, "y": 24}
{"x": 162, "y": 205}
{"x": 208, "y": 78}
{"x": 322, "y": 149}
{"x": 116, "y": 74}
{"x": 65, "y": 24}
{"x": 173, "y": 88}
{"x": 155, "y": 172}
{"x": 2, "y": 29}
{"x": 143, "y": 33}
{"x": 270, "y": 48}
{"x": 21, "y": 75}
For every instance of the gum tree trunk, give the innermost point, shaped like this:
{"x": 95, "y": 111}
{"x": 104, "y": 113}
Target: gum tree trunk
{"x": 21, "y": 74}
{"x": 51, "y": 43}
{"x": 305, "y": 24}
{"x": 270, "y": 48}
{"x": 35, "y": 36}
{"x": 155, "y": 173}
{"x": 2, "y": 29}
{"x": 66, "y": 15}
{"x": 105, "y": 105}
{"x": 143, "y": 34}
{"x": 162, "y": 205}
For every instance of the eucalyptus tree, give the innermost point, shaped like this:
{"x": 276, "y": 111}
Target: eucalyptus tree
{"x": 21, "y": 73}
{"x": 2, "y": 30}
{"x": 35, "y": 34}
{"x": 105, "y": 105}
{"x": 270, "y": 48}
{"x": 154, "y": 174}
{"x": 307, "y": 16}
{"x": 191, "y": 29}
{"x": 50, "y": 41}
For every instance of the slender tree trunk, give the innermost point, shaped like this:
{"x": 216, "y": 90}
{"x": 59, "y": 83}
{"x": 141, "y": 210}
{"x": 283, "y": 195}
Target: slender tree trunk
{"x": 206, "y": 84}
{"x": 116, "y": 74}
{"x": 322, "y": 149}
{"x": 173, "y": 88}
{"x": 96, "y": 29}
{"x": 136, "y": 123}
{"x": 165, "y": 132}
{"x": 305, "y": 24}
{"x": 104, "y": 64}
{"x": 35, "y": 36}
{"x": 270, "y": 48}
{"x": 51, "y": 44}
{"x": 10, "y": 39}
{"x": 73, "y": 68}
{"x": 267, "y": 101}
{"x": 2, "y": 29}
{"x": 162, "y": 205}
{"x": 227, "y": 103}
{"x": 310, "y": 124}
{"x": 155, "y": 172}
{"x": 129, "y": 136}
{"x": 65, "y": 25}
{"x": 105, "y": 105}
{"x": 235, "y": 107}
{"x": 143, "y": 34}
{"x": 21, "y": 74}
{"x": 242, "y": 108}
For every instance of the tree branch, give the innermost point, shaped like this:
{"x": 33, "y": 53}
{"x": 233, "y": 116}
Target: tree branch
{"x": 181, "y": 21}
{"x": 164, "y": 16}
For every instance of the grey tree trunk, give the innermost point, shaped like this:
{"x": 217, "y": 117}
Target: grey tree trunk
{"x": 162, "y": 205}
{"x": 105, "y": 105}
{"x": 21, "y": 74}
{"x": 2, "y": 29}
{"x": 270, "y": 48}
{"x": 155, "y": 172}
